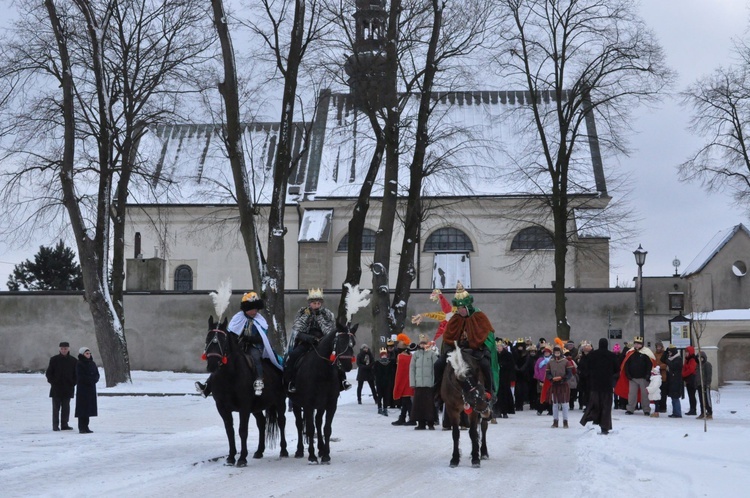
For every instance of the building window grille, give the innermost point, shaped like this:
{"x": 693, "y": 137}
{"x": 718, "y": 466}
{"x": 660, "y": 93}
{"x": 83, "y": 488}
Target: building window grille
{"x": 533, "y": 238}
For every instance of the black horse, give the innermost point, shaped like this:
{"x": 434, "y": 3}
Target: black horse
{"x": 232, "y": 389}
{"x": 318, "y": 387}
{"x": 460, "y": 394}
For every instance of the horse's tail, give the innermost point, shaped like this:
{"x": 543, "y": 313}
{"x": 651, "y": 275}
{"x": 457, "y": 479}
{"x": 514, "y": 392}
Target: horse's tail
{"x": 272, "y": 426}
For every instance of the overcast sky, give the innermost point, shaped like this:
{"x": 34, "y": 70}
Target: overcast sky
{"x": 675, "y": 219}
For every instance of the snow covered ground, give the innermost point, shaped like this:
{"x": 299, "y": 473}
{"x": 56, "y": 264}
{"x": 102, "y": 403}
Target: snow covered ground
{"x": 145, "y": 446}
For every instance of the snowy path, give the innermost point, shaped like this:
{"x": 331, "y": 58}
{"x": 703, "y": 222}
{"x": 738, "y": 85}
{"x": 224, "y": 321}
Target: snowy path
{"x": 165, "y": 446}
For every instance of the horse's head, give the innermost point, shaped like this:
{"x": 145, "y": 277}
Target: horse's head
{"x": 343, "y": 346}
{"x": 217, "y": 345}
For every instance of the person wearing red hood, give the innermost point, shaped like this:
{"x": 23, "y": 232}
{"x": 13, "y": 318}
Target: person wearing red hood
{"x": 690, "y": 377}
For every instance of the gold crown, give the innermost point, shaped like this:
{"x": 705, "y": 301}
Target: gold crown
{"x": 423, "y": 339}
{"x": 314, "y": 294}
{"x": 638, "y": 339}
{"x": 250, "y": 296}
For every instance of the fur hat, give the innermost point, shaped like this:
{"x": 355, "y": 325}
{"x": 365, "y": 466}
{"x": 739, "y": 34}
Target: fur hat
{"x": 64, "y": 344}
{"x": 403, "y": 338}
{"x": 363, "y": 346}
{"x": 315, "y": 295}
{"x": 251, "y": 301}
{"x": 83, "y": 350}
{"x": 462, "y": 298}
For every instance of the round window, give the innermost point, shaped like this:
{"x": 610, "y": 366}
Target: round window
{"x": 739, "y": 268}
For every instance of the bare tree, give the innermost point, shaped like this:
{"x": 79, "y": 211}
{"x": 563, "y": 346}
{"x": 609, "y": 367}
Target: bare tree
{"x": 720, "y": 104}
{"x": 116, "y": 64}
{"x": 577, "y": 60}
{"x": 229, "y": 90}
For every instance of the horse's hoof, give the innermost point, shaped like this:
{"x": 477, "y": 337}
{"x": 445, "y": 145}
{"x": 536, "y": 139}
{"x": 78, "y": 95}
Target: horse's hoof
{"x": 485, "y": 457}
{"x": 454, "y": 464}
{"x": 475, "y": 464}
{"x": 325, "y": 460}
{"x": 284, "y": 454}
{"x": 299, "y": 455}
{"x": 257, "y": 454}
{"x": 312, "y": 461}
{"x": 230, "y": 461}
{"x": 242, "y": 463}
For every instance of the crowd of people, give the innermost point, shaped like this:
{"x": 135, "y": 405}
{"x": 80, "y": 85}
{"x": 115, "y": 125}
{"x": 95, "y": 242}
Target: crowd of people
{"x": 553, "y": 378}
{"x": 549, "y": 377}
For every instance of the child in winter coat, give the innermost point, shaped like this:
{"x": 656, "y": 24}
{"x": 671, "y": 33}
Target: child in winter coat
{"x": 654, "y": 390}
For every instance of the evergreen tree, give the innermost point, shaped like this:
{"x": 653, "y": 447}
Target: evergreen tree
{"x": 53, "y": 268}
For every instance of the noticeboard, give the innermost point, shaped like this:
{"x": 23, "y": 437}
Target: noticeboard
{"x": 680, "y": 334}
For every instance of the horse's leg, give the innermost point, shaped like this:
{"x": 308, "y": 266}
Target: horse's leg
{"x": 260, "y": 421}
{"x": 485, "y": 455}
{"x": 226, "y": 416}
{"x": 244, "y": 422}
{"x": 310, "y": 432}
{"x": 456, "y": 437}
{"x": 474, "y": 435}
{"x": 325, "y": 451}
{"x": 281, "y": 422}
{"x": 299, "y": 422}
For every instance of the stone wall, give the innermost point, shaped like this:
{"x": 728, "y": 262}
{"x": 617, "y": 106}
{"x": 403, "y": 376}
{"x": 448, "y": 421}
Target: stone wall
{"x": 167, "y": 330}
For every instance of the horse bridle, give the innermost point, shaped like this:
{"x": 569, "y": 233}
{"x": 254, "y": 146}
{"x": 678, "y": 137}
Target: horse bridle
{"x": 215, "y": 340}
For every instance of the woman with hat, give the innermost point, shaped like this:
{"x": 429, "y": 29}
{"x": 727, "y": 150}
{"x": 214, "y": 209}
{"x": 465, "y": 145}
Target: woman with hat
{"x": 402, "y": 390}
{"x": 87, "y": 375}
{"x": 422, "y": 378}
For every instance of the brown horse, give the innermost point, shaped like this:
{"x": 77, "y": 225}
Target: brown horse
{"x": 463, "y": 390}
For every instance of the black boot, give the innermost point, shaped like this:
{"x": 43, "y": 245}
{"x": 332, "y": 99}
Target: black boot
{"x": 401, "y": 420}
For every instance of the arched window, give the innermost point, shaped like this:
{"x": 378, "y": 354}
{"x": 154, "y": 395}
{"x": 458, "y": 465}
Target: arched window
{"x": 533, "y": 238}
{"x": 368, "y": 241}
{"x": 183, "y": 278}
{"x": 448, "y": 240}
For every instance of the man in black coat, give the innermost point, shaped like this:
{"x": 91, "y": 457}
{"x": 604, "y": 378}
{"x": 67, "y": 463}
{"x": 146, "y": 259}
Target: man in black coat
{"x": 602, "y": 368}
{"x": 520, "y": 355}
{"x": 61, "y": 375}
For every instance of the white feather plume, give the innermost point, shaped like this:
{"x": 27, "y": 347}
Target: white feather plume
{"x": 221, "y": 297}
{"x": 356, "y": 299}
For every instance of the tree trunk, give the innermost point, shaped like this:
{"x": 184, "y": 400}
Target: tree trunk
{"x": 108, "y": 329}
{"x": 406, "y": 268}
{"x": 235, "y": 150}
{"x": 357, "y": 224}
{"x": 274, "y": 284}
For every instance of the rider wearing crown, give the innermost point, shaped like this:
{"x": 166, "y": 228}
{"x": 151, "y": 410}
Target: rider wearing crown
{"x": 311, "y": 323}
{"x": 470, "y": 329}
{"x": 252, "y": 329}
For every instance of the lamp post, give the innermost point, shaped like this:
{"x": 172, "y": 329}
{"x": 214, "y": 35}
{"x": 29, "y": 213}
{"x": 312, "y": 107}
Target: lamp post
{"x": 640, "y": 260}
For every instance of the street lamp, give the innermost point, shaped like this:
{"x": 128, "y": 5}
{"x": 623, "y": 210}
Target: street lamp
{"x": 640, "y": 260}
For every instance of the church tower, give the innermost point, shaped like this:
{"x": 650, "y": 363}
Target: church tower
{"x": 366, "y": 66}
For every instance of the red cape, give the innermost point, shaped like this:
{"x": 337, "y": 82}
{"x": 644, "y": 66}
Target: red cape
{"x": 401, "y": 387}
{"x": 622, "y": 388}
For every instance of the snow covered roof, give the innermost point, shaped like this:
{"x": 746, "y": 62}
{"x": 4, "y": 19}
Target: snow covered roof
{"x": 721, "y": 315}
{"x": 316, "y": 225}
{"x": 189, "y": 163}
{"x": 478, "y": 147}
{"x": 712, "y": 249}
{"x": 591, "y": 224}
